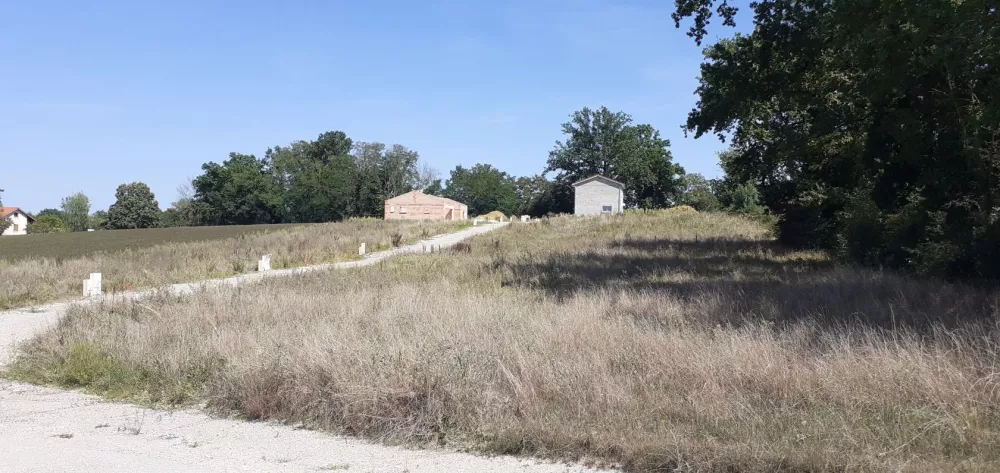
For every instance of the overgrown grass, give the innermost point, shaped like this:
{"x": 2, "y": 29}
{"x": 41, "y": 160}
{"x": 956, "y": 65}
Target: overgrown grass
{"x": 27, "y": 282}
{"x": 656, "y": 342}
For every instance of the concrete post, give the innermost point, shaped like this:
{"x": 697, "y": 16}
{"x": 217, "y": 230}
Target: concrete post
{"x": 361, "y": 250}
{"x": 92, "y": 286}
{"x": 264, "y": 264}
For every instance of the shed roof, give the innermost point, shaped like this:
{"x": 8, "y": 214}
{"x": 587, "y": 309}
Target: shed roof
{"x": 602, "y": 178}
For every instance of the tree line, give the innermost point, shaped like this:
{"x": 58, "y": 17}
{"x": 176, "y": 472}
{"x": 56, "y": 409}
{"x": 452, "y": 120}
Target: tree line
{"x": 333, "y": 178}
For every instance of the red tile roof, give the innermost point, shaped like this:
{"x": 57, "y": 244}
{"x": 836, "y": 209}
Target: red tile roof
{"x": 5, "y": 211}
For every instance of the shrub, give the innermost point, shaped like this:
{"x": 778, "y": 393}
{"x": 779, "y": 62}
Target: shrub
{"x": 48, "y": 224}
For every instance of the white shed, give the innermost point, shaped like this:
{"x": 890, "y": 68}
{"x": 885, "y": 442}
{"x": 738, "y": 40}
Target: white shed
{"x": 14, "y": 221}
{"x": 597, "y": 195}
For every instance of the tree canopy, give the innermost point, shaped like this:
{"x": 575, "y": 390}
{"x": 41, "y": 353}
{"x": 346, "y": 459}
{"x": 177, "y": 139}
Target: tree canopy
{"x": 872, "y": 128}
{"x": 243, "y": 190}
{"x": 483, "y": 188}
{"x": 605, "y": 142}
{"x": 76, "y": 212}
{"x": 135, "y": 207}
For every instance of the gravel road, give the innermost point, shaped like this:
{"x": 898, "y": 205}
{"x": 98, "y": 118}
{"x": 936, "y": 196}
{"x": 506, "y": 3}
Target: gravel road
{"x": 44, "y": 429}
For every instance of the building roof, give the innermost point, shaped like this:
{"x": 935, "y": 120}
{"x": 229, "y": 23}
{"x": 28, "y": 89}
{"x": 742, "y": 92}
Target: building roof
{"x": 602, "y": 178}
{"x": 5, "y": 211}
{"x": 418, "y": 197}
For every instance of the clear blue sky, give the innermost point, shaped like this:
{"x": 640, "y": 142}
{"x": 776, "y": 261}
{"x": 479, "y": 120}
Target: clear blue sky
{"x": 95, "y": 94}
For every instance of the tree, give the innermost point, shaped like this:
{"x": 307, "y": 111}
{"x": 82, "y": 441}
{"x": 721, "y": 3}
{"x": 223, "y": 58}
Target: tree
{"x": 602, "y": 142}
{"x": 99, "y": 220}
{"x": 318, "y": 177}
{"x": 135, "y": 207}
{"x": 5, "y": 222}
{"x": 483, "y": 188}
{"x": 871, "y": 128}
{"x": 698, "y": 193}
{"x": 242, "y": 190}
{"x": 383, "y": 173}
{"x": 76, "y": 212}
{"x": 47, "y": 224}
{"x": 181, "y": 212}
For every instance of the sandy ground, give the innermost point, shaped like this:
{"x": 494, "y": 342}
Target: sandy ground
{"x": 44, "y": 429}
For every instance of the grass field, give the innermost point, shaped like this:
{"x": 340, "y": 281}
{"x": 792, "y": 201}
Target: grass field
{"x": 140, "y": 258}
{"x": 651, "y": 341}
{"x": 59, "y": 246}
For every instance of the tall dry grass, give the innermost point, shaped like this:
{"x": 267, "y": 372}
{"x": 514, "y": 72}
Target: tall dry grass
{"x": 685, "y": 342}
{"x": 25, "y": 283}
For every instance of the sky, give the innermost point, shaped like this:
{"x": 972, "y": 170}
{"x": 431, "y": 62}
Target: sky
{"x": 96, "y": 94}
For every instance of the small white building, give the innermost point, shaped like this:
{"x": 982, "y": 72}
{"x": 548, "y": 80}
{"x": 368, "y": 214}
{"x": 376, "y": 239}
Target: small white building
{"x": 15, "y": 221}
{"x": 597, "y": 195}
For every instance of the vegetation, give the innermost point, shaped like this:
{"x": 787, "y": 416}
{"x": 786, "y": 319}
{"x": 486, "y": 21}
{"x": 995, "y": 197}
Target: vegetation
{"x": 36, "y": 269}
{"x": 602, "y": 142}
{"x": 135, "y": 207}
{"x": 45, "y": 224}
{"x": 76, "y": 212}
{"x": 872, "y": 128}
{"x": 654, "y": 340}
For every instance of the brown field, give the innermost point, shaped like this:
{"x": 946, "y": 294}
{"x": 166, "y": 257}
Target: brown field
{"x": 139, "y": 258}
{"x": 651, "y": 341}
{"x": 61, "y": 246}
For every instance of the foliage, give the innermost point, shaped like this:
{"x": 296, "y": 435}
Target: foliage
{"x": 871, "y": 128}
{"x": 697, "y": 192}
{"x": 602, "y": 142}
{"x": 135, "y": 207}
{"x": 98, "y": 220}
{"x": 76, "y": 212}
{"x": 483, "y": 188}
{"x": 48, "y": 223}
{"x": 241, "y": 191}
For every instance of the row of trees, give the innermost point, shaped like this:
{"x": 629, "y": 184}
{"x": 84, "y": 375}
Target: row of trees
{"x": 872, "y": 128}
{"x": 135, "y": 207}
{"x": 333, "y": 178}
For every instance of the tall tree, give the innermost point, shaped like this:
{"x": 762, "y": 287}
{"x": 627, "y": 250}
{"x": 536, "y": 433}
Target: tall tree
{"x": 483, "y": 188}
{"x": 872, "y": 128}
{"x": 135, "y": 207}
{"x": 319, "y": 178}
{"x": 76, "y": 212}
{"x": 383, "y": 173}
{"x": 604, "y": 142}
{"x": 698, "y": 193}
{"x": 242, "y": 190}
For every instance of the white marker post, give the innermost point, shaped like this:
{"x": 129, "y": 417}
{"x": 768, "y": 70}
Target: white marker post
{"x": 264, "y": 264}
{"x": 92, "y": 286}
{"x": 361, "y": 250}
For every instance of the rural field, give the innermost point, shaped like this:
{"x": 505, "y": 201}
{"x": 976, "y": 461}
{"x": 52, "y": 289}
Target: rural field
{"x": 650, "y": 341}
{"x": 35, "y": 269}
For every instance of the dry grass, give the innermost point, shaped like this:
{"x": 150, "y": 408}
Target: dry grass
{"x": 657, "y": 342}
{"x": 38, "y": 280}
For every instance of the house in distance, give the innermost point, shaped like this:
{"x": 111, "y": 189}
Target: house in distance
{"x": 419, "y": 206}
{"x": 16, "y": 221}
{"x": 597, "y": 195}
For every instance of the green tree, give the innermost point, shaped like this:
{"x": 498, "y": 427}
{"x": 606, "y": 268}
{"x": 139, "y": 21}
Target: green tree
{"x": 242, "y": 190}
{"x": 698, "y": 193}
{"x": 318, "y": 177}
{"x": 76, "y": 212}
{"x": 383, "y": 173}
{"x": 135, "y": 207}
{"x": 871, "y": 128}
{"x": 604, "y": 142}
{"x": 47, "y": 224}
{"x": 483, "y": 188}
{"x": 98, "y": 220}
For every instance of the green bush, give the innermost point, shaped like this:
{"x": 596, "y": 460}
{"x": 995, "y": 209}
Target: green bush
{"x": 48, "y": 224}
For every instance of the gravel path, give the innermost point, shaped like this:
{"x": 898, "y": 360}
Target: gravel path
{"x": 44, "y": 429}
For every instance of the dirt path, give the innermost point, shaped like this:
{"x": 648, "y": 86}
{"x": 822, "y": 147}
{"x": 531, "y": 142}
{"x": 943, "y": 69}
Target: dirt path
{"x": 44, "y": 429}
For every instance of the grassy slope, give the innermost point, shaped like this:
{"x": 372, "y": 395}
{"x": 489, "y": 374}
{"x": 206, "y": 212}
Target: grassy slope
{"x": 35, "y": 281}
{"x": 648, "y": 340}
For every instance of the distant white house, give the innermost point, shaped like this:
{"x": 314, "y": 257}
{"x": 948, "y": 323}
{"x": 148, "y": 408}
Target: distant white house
{"x": 15, "y": 221}
{"x": 597, "y": 195}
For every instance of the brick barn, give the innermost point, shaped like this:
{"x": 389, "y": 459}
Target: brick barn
{"x": 419, "y": 206}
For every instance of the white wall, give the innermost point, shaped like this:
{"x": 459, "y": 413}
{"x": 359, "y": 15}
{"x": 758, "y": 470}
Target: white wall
{"x": 20, "y": 222}
{"x": 591, "y": 197}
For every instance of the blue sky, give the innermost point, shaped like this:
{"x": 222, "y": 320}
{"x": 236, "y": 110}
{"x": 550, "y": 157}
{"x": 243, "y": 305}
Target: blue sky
{"x": 95, "y": 94}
